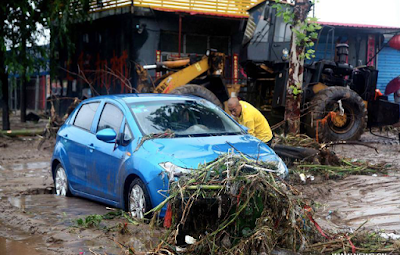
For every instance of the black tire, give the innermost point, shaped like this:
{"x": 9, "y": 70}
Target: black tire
{"x": 348, "y": 127}
{"x": 60, "y": 168}
{"x": 197, "y": 90}
{"x": 147, "y": 206}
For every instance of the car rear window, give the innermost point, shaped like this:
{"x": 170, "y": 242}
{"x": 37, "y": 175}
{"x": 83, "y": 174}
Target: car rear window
{"x": 85, "y": 116}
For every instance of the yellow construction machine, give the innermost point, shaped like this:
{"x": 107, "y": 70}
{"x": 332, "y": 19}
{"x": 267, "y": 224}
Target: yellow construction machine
{"x": 203, "y": 78}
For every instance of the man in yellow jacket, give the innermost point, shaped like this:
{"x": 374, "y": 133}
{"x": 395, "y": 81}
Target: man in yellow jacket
{"x": 247, "y": 115}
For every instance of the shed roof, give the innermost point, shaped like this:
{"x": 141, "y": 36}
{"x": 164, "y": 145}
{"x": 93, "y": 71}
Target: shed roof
{"x": 353, "y": 25}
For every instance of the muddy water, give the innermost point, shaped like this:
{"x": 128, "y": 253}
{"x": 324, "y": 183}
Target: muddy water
{"x": 35, "y": 221}
{"x": 53, "y": 208}
{"x": 23, "y": 247}
{"x": 357, "y": 199}
{"x": 28, "y": 165}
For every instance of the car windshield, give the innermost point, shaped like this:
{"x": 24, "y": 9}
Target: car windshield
{"x": 183, "y": 118}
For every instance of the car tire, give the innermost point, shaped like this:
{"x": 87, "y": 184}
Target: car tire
{"x": 61, "y": 184}
{"x": 138, "y": 199}
{"x": 197, "y": 90}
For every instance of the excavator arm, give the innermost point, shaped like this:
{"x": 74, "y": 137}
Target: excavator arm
{"x": 183, "y": 76}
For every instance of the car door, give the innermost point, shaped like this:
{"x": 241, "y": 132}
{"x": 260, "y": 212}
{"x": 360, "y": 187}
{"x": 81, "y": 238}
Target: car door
{"x": 75, "y": 142}
{"x": 105, "y": 158}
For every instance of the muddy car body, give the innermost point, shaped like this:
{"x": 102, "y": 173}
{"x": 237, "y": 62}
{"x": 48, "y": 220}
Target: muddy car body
{"x": 121, "y": 150}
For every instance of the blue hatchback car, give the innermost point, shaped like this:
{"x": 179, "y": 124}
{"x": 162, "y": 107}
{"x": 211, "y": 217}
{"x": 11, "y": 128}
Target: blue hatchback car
{"x": 108, "y": 149}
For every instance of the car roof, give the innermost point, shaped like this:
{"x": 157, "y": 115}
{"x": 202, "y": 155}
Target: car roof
{"x": 143, "y": 97}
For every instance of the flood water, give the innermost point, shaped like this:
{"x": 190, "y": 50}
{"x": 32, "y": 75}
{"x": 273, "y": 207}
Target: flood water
{"x": 12, "y": 247}
{"x": 53, "y": 208}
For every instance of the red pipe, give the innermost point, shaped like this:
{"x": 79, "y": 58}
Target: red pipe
{"x": 180, "y": 35}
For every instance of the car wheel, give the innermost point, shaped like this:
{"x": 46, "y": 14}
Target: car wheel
{"x": 61, "y": 182}
{"x": 138, "y": 199}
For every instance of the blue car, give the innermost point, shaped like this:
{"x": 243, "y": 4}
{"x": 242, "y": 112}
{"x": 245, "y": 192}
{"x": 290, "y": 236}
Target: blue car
{"x": 121, "y": 149}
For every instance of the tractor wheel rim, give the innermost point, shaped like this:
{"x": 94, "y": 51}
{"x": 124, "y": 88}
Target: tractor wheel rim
{"x": 137, "y": 202}
{"x": 340, "y": 120}
{"x": 61, "y": 182}
{"x": 348, "y": 123}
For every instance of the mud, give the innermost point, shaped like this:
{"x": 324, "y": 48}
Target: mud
{"x": 349, "y": 203}
{"x": 35, "y": 221}
{"x": 355, "y": 200}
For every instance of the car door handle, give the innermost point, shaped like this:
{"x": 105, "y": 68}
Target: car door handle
{"x": 91, "y": 147}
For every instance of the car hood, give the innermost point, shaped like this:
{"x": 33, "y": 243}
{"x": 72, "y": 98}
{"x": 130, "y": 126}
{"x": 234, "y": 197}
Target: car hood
{"x": 190, "y": 152}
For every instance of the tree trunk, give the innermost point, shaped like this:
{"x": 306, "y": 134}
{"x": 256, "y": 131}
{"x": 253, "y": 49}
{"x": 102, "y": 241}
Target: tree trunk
{"x": 4, "y": 90}
{"x": 296, "y": 68}
{"x": 4, "y": 77}
{"x": 23, "y": 96}
{"x": 23, "y": 76}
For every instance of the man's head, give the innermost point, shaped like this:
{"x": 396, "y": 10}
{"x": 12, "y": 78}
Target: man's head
{"x": 234, "y": 107}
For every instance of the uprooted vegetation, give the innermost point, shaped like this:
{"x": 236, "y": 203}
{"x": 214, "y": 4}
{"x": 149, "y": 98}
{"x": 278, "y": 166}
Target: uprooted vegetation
{"x": 235, "y": 205}
{"x": 345, "y": 168}
{"x": 94, "y": 220}
{"x": 323, "y": 162}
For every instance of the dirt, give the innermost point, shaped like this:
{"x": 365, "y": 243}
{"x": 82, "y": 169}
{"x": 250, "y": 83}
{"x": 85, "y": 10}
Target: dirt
{"x": 35, "y": 221}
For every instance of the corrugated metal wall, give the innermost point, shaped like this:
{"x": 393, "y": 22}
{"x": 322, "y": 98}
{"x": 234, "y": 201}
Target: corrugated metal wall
{"x": 389, "y": 67}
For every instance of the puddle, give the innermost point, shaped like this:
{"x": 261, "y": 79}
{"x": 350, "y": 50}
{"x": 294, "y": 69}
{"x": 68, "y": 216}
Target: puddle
{"x": 12, "y": 247}
{"x": 39, "y": 191}
{"x": 54, "y": 208}
{"x": 28, "y": 165}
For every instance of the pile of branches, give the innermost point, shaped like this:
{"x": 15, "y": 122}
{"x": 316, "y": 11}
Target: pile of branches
{"x": 358, "y": 242}
{"x": 166, "y": 134}
{"x": 297, "y": 140}
{"x": 55, "y": 122}
{"x": 345, "y": 168}
{"x": 235, "y": 205}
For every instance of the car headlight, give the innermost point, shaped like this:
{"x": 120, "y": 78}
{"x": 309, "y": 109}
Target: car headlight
{"x": 173, "y": 170}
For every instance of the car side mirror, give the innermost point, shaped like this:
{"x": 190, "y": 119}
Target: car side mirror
{"x": 107, "y": 135}
{"x": 246, "y": 129}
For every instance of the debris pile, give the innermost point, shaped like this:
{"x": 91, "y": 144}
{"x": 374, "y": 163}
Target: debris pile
{"x": 302, "y": 148}
{"x": 235, "y": 205}
{"x": 358, "y": 242}
{"x": 297, "y": 140}
{"x": 345, "y": 168}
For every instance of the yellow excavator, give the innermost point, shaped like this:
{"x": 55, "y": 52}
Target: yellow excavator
{"x": 203, "y": 78}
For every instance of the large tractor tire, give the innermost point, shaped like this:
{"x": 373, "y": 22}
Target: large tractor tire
{"x": 197, "y": 90}
{"x": 336, "y": 122}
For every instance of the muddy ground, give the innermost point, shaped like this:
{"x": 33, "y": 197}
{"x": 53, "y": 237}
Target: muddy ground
{"x": 35, "y": 221}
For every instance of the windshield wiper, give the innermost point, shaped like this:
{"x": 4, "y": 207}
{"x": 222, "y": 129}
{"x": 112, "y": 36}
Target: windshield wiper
{"x": 228, "y": 133}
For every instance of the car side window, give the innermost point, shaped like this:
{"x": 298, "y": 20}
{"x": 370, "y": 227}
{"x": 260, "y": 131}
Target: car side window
{"x": 85, "y": 116}
{"x": 111, "y": 117}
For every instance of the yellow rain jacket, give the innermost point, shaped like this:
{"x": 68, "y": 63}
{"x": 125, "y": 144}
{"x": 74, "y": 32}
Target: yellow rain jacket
{"x": 255, "y": 121}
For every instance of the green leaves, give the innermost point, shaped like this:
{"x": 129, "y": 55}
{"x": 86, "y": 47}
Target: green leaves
{"x": 25, "y": 22}
{"x": 305, "y": 31}
{"x": 90, "y": 221}
{"x": 295, "y": 90}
